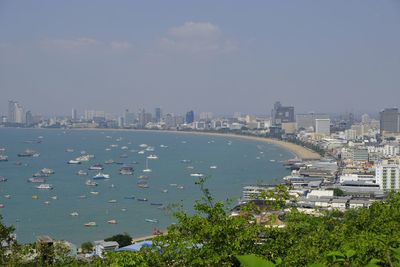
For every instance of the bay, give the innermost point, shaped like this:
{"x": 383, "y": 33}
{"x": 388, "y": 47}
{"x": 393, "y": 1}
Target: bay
{"x": 237, "y": 163}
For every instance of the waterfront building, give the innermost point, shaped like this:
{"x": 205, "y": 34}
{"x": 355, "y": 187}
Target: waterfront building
{"x": 189, "y": 117}
{"x": 322, "y": 126}
{"x": 281, "y": 114}
{"x": 206, "y": 116}
{"x": 15, "y": 112}
{"x": 91, "y": 114}
{"x": 157, "y": 114}
{"x": 74, "y": 115}
{"x": 389, "y": 120}
{"x": 29, "y": 118}
{"x": 307, "y": 121}
{"x": 387, "y": 174}
{"x": 129, "y": 118}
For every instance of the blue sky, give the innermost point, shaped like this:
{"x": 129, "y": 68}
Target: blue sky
{"x": 218, "y": 56}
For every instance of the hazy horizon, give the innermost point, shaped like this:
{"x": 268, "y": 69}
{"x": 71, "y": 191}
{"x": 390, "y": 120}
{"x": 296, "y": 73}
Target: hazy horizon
{"x": 222, "y": 57}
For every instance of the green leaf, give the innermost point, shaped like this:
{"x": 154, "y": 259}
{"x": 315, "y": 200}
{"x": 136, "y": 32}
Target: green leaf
{"x": 317, "y": 265}
{"x": 254, "y": 261}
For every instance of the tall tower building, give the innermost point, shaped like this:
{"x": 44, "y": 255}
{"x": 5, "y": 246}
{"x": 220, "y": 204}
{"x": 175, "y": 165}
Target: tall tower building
{"x": 390, "y": 120}
{"x": 11, "y": 111}
{"x": 282, "y": 114}
{"x": 157, "y": 114}
{"x": 189, "y": 117}
{"x": 74, "y": 114}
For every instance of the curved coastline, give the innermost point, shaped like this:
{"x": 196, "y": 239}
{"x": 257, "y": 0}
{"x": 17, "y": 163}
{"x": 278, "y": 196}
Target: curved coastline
{"x": 300, "y": 152}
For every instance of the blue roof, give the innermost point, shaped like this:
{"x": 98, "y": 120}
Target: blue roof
{"x": 136, "y": 246}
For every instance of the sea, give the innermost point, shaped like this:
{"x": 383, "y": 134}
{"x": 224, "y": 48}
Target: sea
{"x": 234, "y": 163}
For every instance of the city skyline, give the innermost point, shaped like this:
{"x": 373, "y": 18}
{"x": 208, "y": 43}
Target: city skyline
{"x": 219, "y": 57}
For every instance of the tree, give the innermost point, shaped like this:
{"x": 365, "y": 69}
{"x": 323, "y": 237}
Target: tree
{"x": 122, "y": 239}
{"x": 87, "y": 247}
{"x": 7, "y": 241}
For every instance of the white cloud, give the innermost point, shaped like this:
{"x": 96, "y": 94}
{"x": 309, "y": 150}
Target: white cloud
{"x": 197, "y": 37}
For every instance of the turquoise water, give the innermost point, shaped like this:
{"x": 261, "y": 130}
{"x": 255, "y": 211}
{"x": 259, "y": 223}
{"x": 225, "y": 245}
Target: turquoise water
{"x": 239, "y": 163}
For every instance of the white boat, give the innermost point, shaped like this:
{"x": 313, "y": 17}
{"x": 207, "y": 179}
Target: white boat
{"x": 54, "y": 197}
{"x": 96, "y": 167}
{"x": 3, "y": 158}
{"x": 112, "y": 221}
{"x": 47, "y": 171}
{"x": 112, "y": 201}
{"x": 213, "y": 167}
{"x": 74, "y": 213}
{"x": 90, "y": 224}
{"x": 272, "y": 160}
{"x": 70, "y": 150}
{"x": 151, "y": 220}
{"x": 44, "y": 186}
{"x": 83, "y": 158}
{"x": 152, "y": 156}
{"x": 74, "y": 161}
{"x": 141, "y": 152}
{"x": 143, "y": 145}
{"x": 124, "y": 148}
{"x": 114, "y": 145}
{"x": 82, "y": 173}
{"x": 196, "y": 174}
{"x": 180, "y": 187}
{"x": 101, "y": 175}
{"x": 150, "y": 149}
{"x": 147, "y": 167}
{"x": 163, "y": 146}
{"x": 94, "y": 192}
{"x": 91, "y": 183}
{"x": 165, "y": 190}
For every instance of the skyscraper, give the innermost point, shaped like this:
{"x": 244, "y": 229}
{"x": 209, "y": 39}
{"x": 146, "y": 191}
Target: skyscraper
{"x": 281, "y": 114}
{"x": 390, "y": 120}
{"x": 74, "y": 114}
{"x": 15, "y": 112}
{"x": 189, "y": 117}
{"x": 157, "y": 114}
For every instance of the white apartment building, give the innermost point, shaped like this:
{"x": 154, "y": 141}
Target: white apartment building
{"x": 387, "y": 174}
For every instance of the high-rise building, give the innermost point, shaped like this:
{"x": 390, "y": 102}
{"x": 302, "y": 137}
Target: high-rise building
{"x": 74, "y": 115}
{"x": 387, "y": 175}
{"x": 29, "y": 118}
{"x": 15, "y": 112}
{"x": 144, "y": 118}
{"x": 129, "y": 118}
{"x": 322, "y": 126}
{"x": 189, "y": 117}
{"x": 365, "y": 119}
{"x": 282, "y": 114}
{"x": 390, "y": 120}
{"x": 157, "y": 114}
{"x": 206, "y": 116}
{"x": 307, "y": 121}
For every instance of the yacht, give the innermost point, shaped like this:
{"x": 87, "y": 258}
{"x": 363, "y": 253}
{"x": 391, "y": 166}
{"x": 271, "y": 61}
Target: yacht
{"x": 197, "y": 175}
{"x": 112, "y": 201}
{"x": 147, "y": 167}
{"x": 83, "y": 158}
{"x": 142, "y": 199}
{"x": 96, "y": 167}
{"x": 112, "y": 221}
{"x": 141, "y": 152}
{"x": 150, "y": 149}
{"x": 74, "y": 213}
{"x": 37, "y": 180}
{"x": 101, "y": 175}
{"x": 110, "y": 161}
{"x": 143, "y": 145}
{"x": 151, "y": 220}
{"x": 3, "y": 158}
{"x": 126, "y": 170}
{"x": 91, "y": 183}
{"x": 213, "y": 167}
{"x": 3, "y": 179}
{"x": 94, "y": 192}
{"x": 82, "y": 173}
{"x": 90, "y": 224}
{"x": 44, "y": 186}
{"x": 74, "y": 161}
{"x": 152, "y": 156}
{"x": 69, "y": 150}
{"x": 124, "y": 148}
{"x": 27, "y": 153}
{"x": 47, "y": 171}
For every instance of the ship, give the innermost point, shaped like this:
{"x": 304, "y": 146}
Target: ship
{"x": 101, "y": 175}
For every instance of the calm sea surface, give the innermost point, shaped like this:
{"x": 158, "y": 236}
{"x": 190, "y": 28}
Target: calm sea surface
{"x": 238, "y": 163}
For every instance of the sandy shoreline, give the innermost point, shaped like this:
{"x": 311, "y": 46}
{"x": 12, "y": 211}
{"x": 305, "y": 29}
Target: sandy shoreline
{"x": 299, "y": 151}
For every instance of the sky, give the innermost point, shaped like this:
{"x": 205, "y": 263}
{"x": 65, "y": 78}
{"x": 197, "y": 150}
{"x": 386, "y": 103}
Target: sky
{"x": 217, "y": 56}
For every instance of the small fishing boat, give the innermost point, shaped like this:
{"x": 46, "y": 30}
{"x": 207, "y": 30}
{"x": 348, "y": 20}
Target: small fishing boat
{"x": 142, "y": 199}
{"x": 112, "y": 221}
{"x": 74, "y": 213}
{"x": 90, "y": 224}
{"x": 151, "y": 220}
{"x": 112, "y": 201}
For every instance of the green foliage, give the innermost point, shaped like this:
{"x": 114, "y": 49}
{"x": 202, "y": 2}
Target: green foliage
{"x": 125, "y": 259}
{"x": 87, "y": 247}
{"x": 122, "y": 239}
{"x": 254, "y": 261}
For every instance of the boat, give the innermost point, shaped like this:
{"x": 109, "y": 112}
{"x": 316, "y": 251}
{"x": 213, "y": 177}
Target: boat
{"x": 70, "y": 150}
{"x": 82, "y": 196}
{"x": 213, "y": 167}
{"x": 101, "y": 175}
{"x": 3, "y": 179}
{"x": 74, "y": 161}
{"x": 90, "y": 183}
{"x": 150, "y": 149}
{"x": 272, "y": 160}
{"x": 143, "y": 185}
{"x": 165, "y": 190}
{"x": 54, "y": 197}
{"x": 186, "y": 161}
{"x": 114, "y": 145}
{"x": 124, "y": 148}
{"x": 47, "y": 202}
{"x": 197, "y": 175}
{"x": 112, "y": 221}
{"x": 142, "y": 177}
{"x": 151, "y": 220}
{"x": 2, "y": 206}
{"x": 36, "y": 180}
{"x": 94, "y": 192}
{"x": 83, "y": 158}
{"x": 47, "y": 171}
{"x": 96, "y": 167}
{"x": 147, "y": 167}
{"x": 112, "y": 201}
{"x": 35, "y": 197}
{"x": 126, "y": 171}
{"x": 141, "y": 152}
{"x": 3, "y": 158}
{"x": 180, "y": 187}
{"x": 44, "y": 186}
{"x": 82, "y": 173}
{"x": 143, "y": 145}
{"x": 40, "y": 174}
{"x": 110, "y": 161}
{"x": 152, "y": 156}
{"x": 163, "y": 146}
{"x": 74, "y": 213}
{"x": 142, "y": 199}
{"x": 123, "y": 156}
{"x": 7, "y": 196}
{"x": 27, "y": 153}
{"x": 90, "y": 224}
